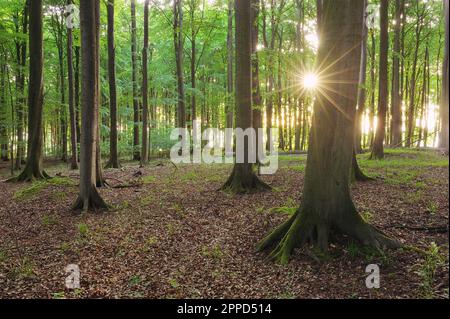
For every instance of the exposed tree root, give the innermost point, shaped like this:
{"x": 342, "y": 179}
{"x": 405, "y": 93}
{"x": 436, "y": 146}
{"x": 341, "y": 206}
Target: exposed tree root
{"x": 92, "y": 202}
{"x": 303, "y": 228}
{"x": 357, "y": 173}
{"x": 29, "y": 176}
{"x": 113, "y": 165}
{"x": 244, "y": 185}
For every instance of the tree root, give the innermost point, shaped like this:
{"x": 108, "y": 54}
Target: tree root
{"x": 93, "y": 202}
{"x": 249, "y": 184}
{"x": 302, "y": 229}
{"x": 28, "y": 176}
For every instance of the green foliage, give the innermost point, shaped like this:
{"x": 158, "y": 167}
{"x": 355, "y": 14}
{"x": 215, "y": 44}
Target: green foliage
{"x": 214, "y": 252}
{"x": 427, "y": 270}
{"x": 83, "y": 230}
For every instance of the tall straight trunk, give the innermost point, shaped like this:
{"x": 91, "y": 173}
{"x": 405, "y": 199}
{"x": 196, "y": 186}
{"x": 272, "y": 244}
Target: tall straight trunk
{"x": 33, "y": 169}
{"x": 396, "y": 124}
{"x": 77, "y": 92}
{"x": 113, "y": 149}
{"x": 179, "y": 44}
{"x": 62, "y": 87}
{"x": 89, "y": 198}
{"x": 144, "y": 154}
{"x": 256, "y": 89}
{"x": 326, "y": 202}
{"x": 444, "y": 136}
{"x": 3, "y": 115}
{"x": 361, "y": 91}
{"x": 100, "y": 180}
{"x": 378, "y": 145}
{"x": 412, "y": 94}
{"x": 373, "y": 87}
{"x": 230, "y": 57}
{"x": 423, "y": 99}
{"x": 73, "y": 126}
{"x": 21, "y": 52}
{"x": 242, "y": 178}
{"x": 136, "y": 151}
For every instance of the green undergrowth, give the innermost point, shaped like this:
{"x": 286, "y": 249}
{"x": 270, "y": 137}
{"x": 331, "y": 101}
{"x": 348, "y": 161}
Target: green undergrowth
{"x": 36, "y": 187}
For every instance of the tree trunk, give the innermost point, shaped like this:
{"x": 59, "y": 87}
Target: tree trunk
{"x": 361, "y": 91}
{"x": 89, "y": 198}
{"x": 144, "y": 154}
{"x": 136, "y": 150}
{"x": 73, "y": 126}
{"x": 396, "y": 125}
{"x": 3, "y": 115}
{"x": 178, "y": 42}
{"x": 444, "y": 136}
{"x": 33, "y": 169}
{"x": 113, "y": 150}
{"x": 230, "y": 81}
{"x": 327, "y": 204}
{"x": 256, "y": 89}
{"x": 243, "y": 179}
{"x": 378, "y": 145}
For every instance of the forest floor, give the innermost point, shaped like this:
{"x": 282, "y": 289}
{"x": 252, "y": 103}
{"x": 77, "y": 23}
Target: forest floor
{"x": 173, "y": 235}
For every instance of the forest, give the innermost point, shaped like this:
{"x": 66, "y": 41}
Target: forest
{"x": 205, "y": 149}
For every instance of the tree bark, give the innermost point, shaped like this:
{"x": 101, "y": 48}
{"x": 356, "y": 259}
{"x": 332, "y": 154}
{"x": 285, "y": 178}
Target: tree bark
{"x": 243, "y": 179}
{"x": 33, "y": 169}
{"x": 136, "y": 150}
{"x": 144, "y": 154}
{"x": 396, "y": 124}
{"x": 179, "y": 44}
{"x": 444, "y": 136}
{"x": 73, "y": 126}
{"x": 327, "y": 204}
{"x": 378, "y": 145}
{"x": 89, "y": 198}
{"x": 113, "y": 149}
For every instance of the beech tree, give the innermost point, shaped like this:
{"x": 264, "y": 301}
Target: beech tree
{"x": 33, "y": 168}
{"x": 378, "y": 144}
{"x": 327, "y": 203}
{"x": 444, "y": 137}
{"x": 144, "y": 153}
{"x": 113, "y": 151}
{"x": 243, "y": 179}
{"x": 89, "y": 198}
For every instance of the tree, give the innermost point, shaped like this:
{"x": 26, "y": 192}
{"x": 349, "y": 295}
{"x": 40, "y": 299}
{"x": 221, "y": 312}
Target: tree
{"x": 256, "y": 90}
{"x": 89, "y": 198}
{"x": 136, "y": 153}
{"x": 230, "y": 56}
{"x": 327, "y": 204}
{"x": 113, "y": 151}
{"x": 179, "y": 47}
{"x": 144, "y": 154}
{"x": 444, "y": 137}
{"x": 396, "y": 124}
{"x": 378, "y": 144}
{"x": 33, "y": 168}
{"x": 243, "y": 179}
{"x": 73, "y": 125}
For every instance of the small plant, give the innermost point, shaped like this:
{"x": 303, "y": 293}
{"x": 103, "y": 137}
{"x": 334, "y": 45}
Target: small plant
{"x": 174, "y": 283}
{"x": 59, "y": 295}
{"x": 367, "y": 216}
{"x": 427, "y": 270}
{"x": 214, "y": 252}
{"x": 48, "y": 220}
{"x": 432, "y": 207}
{"x": 83, "y": 230}
{"x": 135, "y": 280}
{"x": 171, "y": 229}
{"x": 64, "y": 247}
{"x": 3, "y": 255}
{"x": 290, "y": 208}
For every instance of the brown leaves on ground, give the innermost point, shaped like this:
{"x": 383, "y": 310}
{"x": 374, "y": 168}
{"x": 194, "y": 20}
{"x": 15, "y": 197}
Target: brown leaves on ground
{"x": 171, "y": 234}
